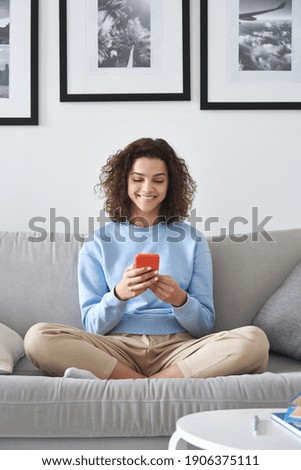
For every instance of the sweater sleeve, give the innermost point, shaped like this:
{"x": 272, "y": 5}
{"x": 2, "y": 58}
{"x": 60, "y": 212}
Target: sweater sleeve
{"x": 101, "y": 311}
{"x": 197, "y": 314}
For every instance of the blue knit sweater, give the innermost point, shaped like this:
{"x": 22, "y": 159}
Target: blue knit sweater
{"x": 184, "y": 255}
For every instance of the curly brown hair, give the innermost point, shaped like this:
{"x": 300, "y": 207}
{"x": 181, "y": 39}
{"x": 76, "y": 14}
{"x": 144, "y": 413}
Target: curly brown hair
{"x": 114, "y": 180}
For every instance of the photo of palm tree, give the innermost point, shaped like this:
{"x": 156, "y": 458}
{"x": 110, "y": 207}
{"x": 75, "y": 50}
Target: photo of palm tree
{"x": 4, "y": 48}
{"x": 124, "y": 33}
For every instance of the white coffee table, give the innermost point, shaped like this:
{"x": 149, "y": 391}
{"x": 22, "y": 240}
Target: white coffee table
{"x": 233, "y": 429}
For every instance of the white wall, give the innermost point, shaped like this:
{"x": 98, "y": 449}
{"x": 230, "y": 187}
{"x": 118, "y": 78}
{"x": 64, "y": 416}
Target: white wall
{"x": 240, "y": 159}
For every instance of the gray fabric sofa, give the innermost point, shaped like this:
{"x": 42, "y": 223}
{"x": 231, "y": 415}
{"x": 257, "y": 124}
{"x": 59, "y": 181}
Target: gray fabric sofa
{"x": 38, "y": 282}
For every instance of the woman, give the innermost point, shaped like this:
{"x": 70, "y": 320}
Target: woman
{"x": 139, "y": 322}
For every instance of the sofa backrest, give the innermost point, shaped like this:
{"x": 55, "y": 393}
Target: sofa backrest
{"x": 38, "y": 280}
{"x": 246, "y": 273}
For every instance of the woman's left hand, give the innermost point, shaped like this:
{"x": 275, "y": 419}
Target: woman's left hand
{"x": 168, "y": 290}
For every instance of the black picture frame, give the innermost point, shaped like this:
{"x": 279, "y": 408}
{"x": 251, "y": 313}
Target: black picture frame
{"x": 207, "y": 103}
{"x": 85, "y": 95}
{"x": 30, "y": 116}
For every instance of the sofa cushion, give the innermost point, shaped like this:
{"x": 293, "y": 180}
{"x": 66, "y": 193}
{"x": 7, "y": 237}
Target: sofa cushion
{"x": 47, "y": 407}
{"x": 25, "y": 367}
{"x": 280, "y": 317}
{"x": 38, "y": 280}
{"x": 11, "y": 349}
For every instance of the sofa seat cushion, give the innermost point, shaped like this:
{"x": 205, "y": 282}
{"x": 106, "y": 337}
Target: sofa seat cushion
{"x": 279, "y": 364}
{"x": 60, "y": 407}
{"x": 25, "y": 367}
{"x": 280, "y": 317}
{"x": 11, "y": 349}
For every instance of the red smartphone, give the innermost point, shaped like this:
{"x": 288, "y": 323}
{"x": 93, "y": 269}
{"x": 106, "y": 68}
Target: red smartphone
{"x": 147, "y": 259}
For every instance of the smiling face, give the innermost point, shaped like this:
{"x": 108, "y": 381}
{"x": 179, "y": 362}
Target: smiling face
{"x": 147, "y": 188}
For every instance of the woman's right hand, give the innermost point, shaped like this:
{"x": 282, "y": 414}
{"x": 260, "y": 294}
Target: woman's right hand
{"x": 134, "y": 282}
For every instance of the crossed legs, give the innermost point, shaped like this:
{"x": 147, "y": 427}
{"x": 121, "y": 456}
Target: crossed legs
{"x": 57, "y": 348}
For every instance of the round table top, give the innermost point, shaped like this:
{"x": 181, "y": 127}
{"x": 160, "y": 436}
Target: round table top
{"x": 234, "y": 429}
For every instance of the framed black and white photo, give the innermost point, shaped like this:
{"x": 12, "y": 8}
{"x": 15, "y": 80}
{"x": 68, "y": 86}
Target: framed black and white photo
{"x": 18, "y": 62}
{"x": 124, "y": 50}
{"x": 250, "y": 54}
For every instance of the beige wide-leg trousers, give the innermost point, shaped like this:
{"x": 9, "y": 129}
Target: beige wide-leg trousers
{"x": 54, "y": 348}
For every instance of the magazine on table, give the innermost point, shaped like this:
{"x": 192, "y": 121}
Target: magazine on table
{"x": 291, "y": 419}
